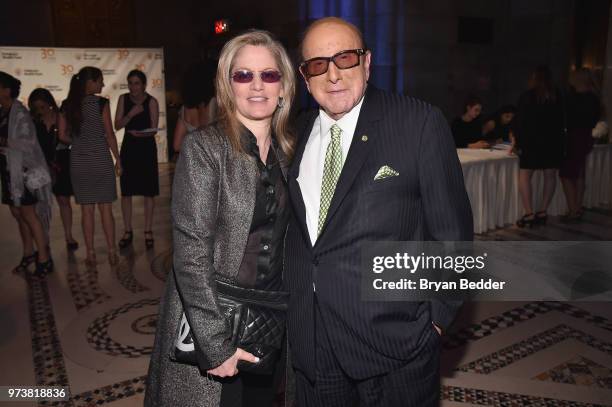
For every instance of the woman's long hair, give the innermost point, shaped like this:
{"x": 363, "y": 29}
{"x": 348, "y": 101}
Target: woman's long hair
{"x": 543, "y": 84}
{"x": 225, "y": 95}
{"x": 73, "y": 103}
{"x": 44, "y": 95}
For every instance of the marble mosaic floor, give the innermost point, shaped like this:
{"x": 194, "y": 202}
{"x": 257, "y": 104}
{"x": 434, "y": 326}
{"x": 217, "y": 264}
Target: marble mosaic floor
{"x": 91, "y": 328}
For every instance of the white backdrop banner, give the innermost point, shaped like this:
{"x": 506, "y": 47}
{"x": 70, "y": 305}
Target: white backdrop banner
{"x": 52, "y": 68}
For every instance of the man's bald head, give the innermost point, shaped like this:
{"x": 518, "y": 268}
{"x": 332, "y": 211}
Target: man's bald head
{"x": 337, "y": 89}
{"x": 330, "y": 22}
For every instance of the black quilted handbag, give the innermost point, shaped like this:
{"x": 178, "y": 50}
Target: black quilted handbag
{"x": 257, "y": 319}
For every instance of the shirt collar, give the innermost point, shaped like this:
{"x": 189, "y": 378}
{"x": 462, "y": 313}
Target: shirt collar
{"x": 250, "y": 145}
{"x": 347, "y": 123}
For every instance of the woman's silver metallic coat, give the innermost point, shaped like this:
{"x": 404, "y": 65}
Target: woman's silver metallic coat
{"x": 213, "y": 200}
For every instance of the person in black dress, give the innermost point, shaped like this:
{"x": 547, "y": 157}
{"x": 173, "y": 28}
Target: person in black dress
{"x": 20, "y": 157}
{"x": 539, "y": 133}
{"x": 584, "y": 111}
{"x": 45, "y": 112}
{"x": 138, "y": 111}
{"x": 467, "y": 129}
{"x": 499, "y": 126}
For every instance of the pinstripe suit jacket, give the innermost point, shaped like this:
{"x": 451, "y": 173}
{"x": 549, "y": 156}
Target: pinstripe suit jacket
{"x": 427, "y": 201}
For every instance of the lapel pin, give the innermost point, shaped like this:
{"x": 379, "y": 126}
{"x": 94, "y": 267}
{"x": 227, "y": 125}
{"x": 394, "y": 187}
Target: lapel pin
{"x": 364, "y": 138}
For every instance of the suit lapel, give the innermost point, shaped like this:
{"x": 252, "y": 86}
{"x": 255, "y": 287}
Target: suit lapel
{"x": 358, "y": 152}
{"x": 294, "y": 187}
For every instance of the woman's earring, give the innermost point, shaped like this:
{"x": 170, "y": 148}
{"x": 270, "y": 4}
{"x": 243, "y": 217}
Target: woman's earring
{"x": 281, "y": 102}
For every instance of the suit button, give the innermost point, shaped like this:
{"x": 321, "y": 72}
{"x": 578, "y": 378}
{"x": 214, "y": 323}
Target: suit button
{"x": 315, "y": 262}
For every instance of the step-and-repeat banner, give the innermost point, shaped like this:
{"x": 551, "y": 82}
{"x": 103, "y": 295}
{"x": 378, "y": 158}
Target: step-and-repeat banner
{"x": 52, "y": 68}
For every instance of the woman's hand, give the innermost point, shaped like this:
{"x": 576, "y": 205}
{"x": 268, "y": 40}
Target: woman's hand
{"x": 228, "y": 368}
{"x": 479, "y": 144}
{"x": 141, "y": 134}
{"x": 513, "y": 150}
{"x": 118, "y": 169}
{"x": 135, "y": 110}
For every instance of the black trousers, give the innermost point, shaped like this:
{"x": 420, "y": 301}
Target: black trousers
{"x": 416, "y": 384}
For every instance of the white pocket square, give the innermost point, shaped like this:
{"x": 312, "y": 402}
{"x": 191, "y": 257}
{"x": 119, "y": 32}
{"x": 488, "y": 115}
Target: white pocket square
{"x": 385, "y": 172}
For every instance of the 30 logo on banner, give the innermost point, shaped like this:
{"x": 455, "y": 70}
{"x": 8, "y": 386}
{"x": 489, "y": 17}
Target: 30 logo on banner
{"x": 46, "y": 53}
{"x": 123, "y": 53}
{"x": 156, "y": 83}
{"x": 67, "y": 69}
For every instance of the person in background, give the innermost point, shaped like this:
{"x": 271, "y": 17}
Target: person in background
{"x": 467, "y": 129}
{"x": 138, "y": 111}
{"x": 584, "y": 111}
{"x": 86, "y": 123}
{"x": 24, "y": 175}
{"x": 46, "y": 117}
{"x": 539, "y": 133}
{"x": 498, "y": 129}
{"x": 199, "y": 104}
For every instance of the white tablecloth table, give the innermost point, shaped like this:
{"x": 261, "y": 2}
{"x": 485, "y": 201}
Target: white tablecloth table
{"x": 491, "y": 180}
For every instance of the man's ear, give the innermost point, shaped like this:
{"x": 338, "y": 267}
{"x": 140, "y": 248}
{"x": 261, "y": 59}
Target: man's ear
{"x": 305, "y": 81}
{"x": 366, "y": 64}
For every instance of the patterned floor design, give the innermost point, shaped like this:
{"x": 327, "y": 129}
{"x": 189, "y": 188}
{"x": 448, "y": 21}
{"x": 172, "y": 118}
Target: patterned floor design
{"x": 581, "y": 371}
{"x": 91, "y": 328}
{"x": 47, "y": 355}
{"x": 516, "y": 351}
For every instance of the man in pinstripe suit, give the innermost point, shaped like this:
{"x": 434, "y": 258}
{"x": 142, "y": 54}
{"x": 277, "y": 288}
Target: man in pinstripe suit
{"x": 369, "y": 166}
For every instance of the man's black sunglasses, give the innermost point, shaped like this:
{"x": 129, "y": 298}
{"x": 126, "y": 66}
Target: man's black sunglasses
{"x": 343, "y": 60}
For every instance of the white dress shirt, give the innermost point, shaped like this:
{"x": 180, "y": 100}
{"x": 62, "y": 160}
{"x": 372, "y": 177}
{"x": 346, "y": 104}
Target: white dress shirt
{"x": 313, "y": 160}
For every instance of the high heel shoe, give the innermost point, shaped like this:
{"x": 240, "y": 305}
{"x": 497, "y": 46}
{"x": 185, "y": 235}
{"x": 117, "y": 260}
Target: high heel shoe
{"x": 526, "y": 221}
{"x": 44, "y": 268}
{"x": 149, "y": 241}
{"x": 72, "y": 245}
{"x": 113, "y": 259}
{"x": 541, "y": 217}
{"x": 90, "y": 260}
{"x": 126, "y": 240}
{"x": 25, "y": 262}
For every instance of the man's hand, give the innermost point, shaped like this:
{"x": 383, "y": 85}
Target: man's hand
{"x": 228, "y": 368}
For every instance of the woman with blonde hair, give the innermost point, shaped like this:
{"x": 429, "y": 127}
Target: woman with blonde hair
{"x": 230, "y": 210}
